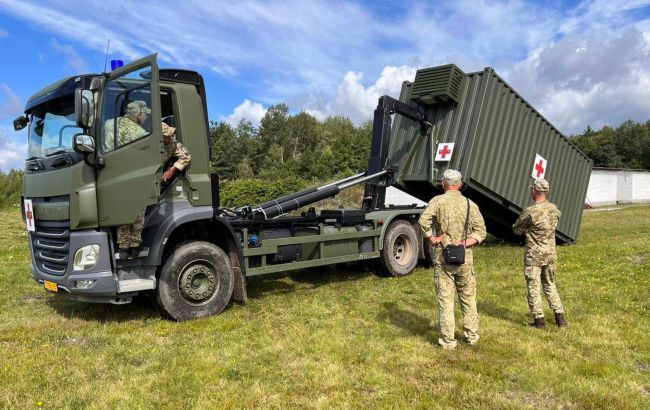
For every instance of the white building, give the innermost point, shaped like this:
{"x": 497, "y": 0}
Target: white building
{"x": 618, "y": 186}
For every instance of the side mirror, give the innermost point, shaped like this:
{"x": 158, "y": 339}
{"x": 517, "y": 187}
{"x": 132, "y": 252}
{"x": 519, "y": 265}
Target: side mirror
{"x": 20, "y": 122}
{"x": 84, "y": 108}
{"x": 84, "y": 144}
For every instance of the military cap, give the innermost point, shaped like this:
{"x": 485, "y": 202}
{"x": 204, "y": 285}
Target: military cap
{"x": 137, "y": 107}
{"x": 540, "y": 185}
{"x": 167, "y": 131}
{"x": 452, "y": 177}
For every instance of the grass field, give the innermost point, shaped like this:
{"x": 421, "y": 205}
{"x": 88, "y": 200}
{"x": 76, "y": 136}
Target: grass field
{"x": 343, "y": 337}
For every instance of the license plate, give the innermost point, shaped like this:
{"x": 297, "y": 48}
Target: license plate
{"x": 51, "y": 286}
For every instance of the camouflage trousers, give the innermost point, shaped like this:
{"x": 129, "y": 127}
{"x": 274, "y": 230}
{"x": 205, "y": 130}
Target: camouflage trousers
{"x": 130, "y": 236}
{"x": 451, "y": 280}
{"x": 543, "y": 276}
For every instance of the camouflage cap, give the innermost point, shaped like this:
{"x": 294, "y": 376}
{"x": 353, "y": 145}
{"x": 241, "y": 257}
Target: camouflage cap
{"x": 137, "y": 107}
{"x": 168, "y": 131}
{"x": 451, "y": 177}
{"x": 540, "y": 185}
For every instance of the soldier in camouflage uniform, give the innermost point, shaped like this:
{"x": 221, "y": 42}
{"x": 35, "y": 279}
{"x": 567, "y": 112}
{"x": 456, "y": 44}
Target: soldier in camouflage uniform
{"x": 446, "y": 214}
{"x": 129, "y": 237}
{"x": 538, "y": 223}
{"x": 129, "y": 127}
{"x": 174, "y": 149}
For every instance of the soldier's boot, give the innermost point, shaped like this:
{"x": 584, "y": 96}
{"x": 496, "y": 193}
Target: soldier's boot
{"x": 539, "y": 323}
{"x": 559, "y": 320}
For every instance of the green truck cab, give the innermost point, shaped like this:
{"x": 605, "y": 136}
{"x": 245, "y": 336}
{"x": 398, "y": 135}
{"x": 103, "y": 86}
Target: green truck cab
{"x": 82, "y": 182}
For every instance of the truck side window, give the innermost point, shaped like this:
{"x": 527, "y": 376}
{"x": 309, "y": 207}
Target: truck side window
{"x": 127, "y": 109}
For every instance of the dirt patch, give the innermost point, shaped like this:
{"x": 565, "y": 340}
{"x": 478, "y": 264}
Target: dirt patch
{"x": 646, "y": 390}
{"x": 540, "y": 400}
{"x": 639, "y": 259}
{"x": 31, "y": 298}
{"x": 642, "y": 367}
{"x": 74, "y": 341}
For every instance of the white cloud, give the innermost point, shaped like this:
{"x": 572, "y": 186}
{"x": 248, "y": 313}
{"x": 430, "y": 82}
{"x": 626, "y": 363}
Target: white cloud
{"x": 72, "y": 58}
{"x": 590, "y": 79}
{"x": 357, "y": 102}
{"x": 578, "y": 65}
{"x": 12, "y": 154}
{"x": 248, "y": 111}
{"x": 10, "y": 104}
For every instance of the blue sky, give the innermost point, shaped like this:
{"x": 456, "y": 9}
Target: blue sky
{"x": 579, "y": 63}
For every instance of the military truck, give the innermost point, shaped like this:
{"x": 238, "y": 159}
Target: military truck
{"x": 81, "y": 182}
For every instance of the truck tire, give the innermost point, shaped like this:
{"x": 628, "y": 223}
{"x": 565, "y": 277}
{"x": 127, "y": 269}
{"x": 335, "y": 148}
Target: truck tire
{"x": 195, "y": 281}
{"x": 399, "y": 256}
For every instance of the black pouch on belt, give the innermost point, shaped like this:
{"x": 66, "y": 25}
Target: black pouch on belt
{"x": 455, "y": 254}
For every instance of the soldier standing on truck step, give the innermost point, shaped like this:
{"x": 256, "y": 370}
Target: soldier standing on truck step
{"x": 538, "y": 223}
{"x": 176, "y": 150}
{"x": 455, "y": 221}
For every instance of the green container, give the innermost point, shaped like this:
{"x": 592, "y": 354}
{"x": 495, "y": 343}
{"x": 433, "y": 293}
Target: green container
{"x": 498, "y": 140}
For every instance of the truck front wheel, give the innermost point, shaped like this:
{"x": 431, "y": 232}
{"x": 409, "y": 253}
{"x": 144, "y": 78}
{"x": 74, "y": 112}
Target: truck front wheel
{"x": 195, "y": 281}
{"x": 399, "y": 256}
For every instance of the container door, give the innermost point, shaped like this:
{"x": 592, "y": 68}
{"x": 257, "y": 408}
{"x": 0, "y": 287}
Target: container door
{"x": 130, "y": 142}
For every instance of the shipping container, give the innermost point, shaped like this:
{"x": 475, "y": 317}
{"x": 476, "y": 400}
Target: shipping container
{"x": 496, "y": 139}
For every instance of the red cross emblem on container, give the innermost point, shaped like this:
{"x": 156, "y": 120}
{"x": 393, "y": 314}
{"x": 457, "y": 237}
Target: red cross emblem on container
{"x": 444, "y": 151}
{"x": 539, "y": 167}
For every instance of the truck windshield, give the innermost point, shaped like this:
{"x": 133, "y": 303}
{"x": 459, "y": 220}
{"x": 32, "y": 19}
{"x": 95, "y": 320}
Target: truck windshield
{"x": 52, "y": 126}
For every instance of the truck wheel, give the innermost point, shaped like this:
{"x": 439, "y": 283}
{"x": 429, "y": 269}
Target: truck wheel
{"x": 195, "y": 281}
{"x": 400, "y": 253}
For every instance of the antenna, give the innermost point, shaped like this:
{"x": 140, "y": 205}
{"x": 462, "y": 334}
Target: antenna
{"x": 108, "y": 43}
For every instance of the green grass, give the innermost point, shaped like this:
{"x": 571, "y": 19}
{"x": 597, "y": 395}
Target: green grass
{"x": 343, "y": 337}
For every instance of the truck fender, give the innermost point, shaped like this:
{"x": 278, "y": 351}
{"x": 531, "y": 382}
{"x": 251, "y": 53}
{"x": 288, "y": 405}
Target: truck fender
{"x": 169, "y": 218}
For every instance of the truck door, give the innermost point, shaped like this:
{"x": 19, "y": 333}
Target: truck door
{"x": 130, "y": 142}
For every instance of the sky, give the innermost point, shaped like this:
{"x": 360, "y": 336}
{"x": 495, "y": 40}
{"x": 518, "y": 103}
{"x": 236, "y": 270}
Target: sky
{"x": 580, "y": 63}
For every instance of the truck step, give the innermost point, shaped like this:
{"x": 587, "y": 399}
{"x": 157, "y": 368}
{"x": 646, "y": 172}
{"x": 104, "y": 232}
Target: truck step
{"x": 134, "y": 285}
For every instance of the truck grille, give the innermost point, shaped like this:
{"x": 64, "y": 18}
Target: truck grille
{"x": 50, "y": 246}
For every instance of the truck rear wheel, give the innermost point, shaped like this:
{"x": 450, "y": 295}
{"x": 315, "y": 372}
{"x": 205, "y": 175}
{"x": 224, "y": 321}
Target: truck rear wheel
{"x": 399, "y": 256}
{"x": 195, "y": 281}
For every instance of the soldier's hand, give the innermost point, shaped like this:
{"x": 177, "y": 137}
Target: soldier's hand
{"x": 435, "y": 240}
{"x": 169, "y": 174}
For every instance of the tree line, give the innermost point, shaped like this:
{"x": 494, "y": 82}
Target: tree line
{"x": 626, "y": 146}
{"x": 288, "y": 152}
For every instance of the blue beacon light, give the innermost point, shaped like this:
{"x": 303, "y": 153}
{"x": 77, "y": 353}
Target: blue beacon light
{"x": 116, "y": 64}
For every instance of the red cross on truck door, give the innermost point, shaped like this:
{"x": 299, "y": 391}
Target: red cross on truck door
{"x": 29, "y": 215}
{"x": 539, "y": 167}
{"x": 444, "y": 151}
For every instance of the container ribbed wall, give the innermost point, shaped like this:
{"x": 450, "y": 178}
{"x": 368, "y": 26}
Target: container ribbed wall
{"x": 496, "y": 135}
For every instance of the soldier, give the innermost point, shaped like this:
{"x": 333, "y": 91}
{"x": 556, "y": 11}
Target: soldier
{"x": 174, "y": 149}
{"x": 129, "y": 126}
{"x": 538, "y": 223}
{"x": 447, "y": 214}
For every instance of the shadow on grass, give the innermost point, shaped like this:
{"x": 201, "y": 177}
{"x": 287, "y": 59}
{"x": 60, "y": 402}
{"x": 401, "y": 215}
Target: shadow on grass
{"x": 411, "y": 322}
{"x": 141, "y": 308}
{"x": 500, "y": 312}
{"x": 313, "y": 278}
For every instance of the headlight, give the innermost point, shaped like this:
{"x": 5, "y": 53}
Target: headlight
{"x": 86, "y": 257}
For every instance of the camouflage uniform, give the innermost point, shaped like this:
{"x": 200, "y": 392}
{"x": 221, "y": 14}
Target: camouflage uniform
{"x": 128, "y": 128}
{"x": 128, "y": 236}
{"x": 446, "y": 214}
{"x": 538, "y": 223}
{"x": 175, "y": 149}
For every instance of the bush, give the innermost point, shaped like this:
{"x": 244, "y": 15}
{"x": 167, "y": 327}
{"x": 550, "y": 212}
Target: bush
{"x": 255, "y": 191}
{"x": 11, "y": 187}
